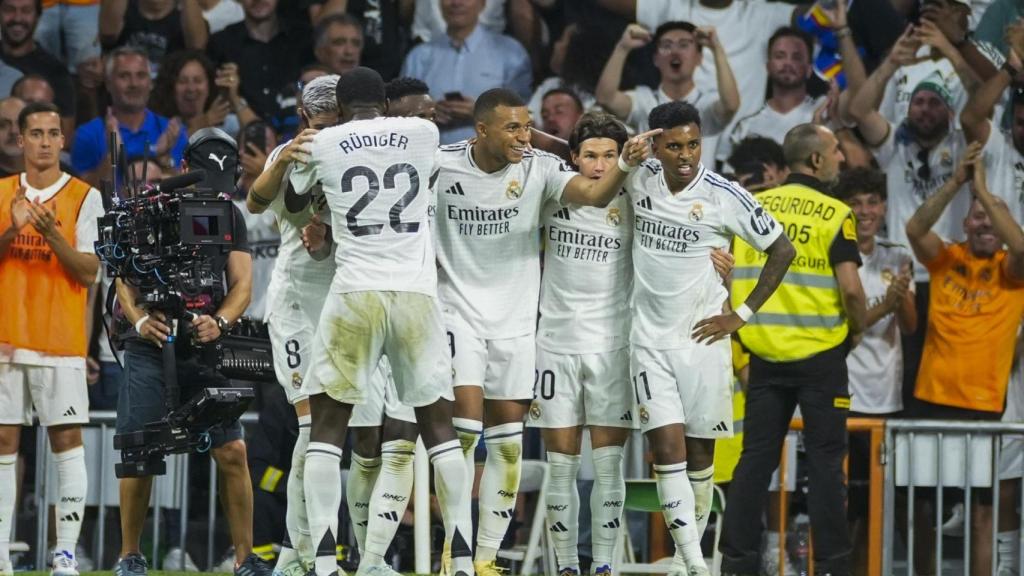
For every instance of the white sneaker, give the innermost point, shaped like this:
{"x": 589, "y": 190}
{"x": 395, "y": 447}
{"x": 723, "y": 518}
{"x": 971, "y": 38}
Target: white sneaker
{"x": 179, "y": 560}
{"x": 377, "y": 570}
{"x": 227, "y": 564}
{"x": 64, "y": 564}
{"x": 955, "y": 525}
{"x": 6, "y": 568}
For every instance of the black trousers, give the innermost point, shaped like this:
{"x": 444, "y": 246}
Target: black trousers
{"x": 820, "y": 386}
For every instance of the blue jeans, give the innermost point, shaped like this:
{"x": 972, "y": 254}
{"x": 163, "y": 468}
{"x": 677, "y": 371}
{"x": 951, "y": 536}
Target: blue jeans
{"x": 141, "y": 398}
{"x": 70, "y": 33}
{"x": 103, "y": 394}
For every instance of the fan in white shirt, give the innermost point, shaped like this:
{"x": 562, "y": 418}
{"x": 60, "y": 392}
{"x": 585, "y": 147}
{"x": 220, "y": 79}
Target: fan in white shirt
{"x": 680, "y": 354}
{"x": 876, "y": 364}
{"x": 679, "y": 51}
{"x": 918, "y": 154}
{"x": 789, "y": 68}
{"x": 490, "y": 196}
{"x": 1004, "y": 150}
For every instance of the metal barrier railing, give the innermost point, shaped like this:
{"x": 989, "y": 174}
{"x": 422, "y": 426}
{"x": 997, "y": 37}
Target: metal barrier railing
{"x": 943, "y": 454}
{"x": 876, "y": 428}
{"x": 102, "y": 492}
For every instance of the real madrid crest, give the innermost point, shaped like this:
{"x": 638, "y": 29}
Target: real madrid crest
{"x": 887, "y": 276}
{"x": 535, "y": 410}
{"x": 946, "y": 158}
{"x": 644, "y": 415}
{"x": 614, "y": 217}
{"x": 697, "y": 212}
{"x": 296, "y": 380}
{"x": 513, "y": 190}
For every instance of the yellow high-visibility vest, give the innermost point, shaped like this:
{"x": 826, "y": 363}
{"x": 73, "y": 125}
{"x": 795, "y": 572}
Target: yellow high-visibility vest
{"x": 805, "y": 315}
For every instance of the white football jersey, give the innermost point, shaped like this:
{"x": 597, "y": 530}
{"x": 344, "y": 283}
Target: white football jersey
{"x": 768, "y": 123}
{"x": 588, "y": 277}
{"x": 296, "y": 275}
{"x": 913, "y": 175}
{"x": 375, "y": 175}
{"x": 1004, "y": 170}
{"x": 488, "y": 238}
{"x": 675, "y": 284}
{"x": 876, "y": 364}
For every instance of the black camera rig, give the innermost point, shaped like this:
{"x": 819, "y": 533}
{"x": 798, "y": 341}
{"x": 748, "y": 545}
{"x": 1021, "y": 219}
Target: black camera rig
{"x": 169, "y": 241}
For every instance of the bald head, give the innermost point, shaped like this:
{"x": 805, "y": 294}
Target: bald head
{"x": 813, "y": 150}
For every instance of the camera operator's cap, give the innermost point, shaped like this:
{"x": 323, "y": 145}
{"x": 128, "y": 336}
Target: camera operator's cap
{"x": 935, "y": 84}
{"x": 213, "y": 150}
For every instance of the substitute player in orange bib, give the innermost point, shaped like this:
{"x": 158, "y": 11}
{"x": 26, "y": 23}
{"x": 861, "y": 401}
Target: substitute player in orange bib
{"x": 48, "y": 219}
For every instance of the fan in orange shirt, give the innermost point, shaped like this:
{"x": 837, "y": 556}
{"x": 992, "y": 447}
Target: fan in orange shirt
{"x": 975, "y": 307}
{"x": 976, "y": 300}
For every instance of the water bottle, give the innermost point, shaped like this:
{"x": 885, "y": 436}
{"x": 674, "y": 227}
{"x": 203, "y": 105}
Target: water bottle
{"x": 802, "y": 528}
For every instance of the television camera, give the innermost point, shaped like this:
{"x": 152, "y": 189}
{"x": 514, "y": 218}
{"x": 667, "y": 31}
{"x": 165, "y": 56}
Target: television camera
{"x": 170, "y": 241}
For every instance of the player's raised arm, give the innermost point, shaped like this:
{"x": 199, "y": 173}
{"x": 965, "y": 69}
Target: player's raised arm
{"x": 587, "y": 192}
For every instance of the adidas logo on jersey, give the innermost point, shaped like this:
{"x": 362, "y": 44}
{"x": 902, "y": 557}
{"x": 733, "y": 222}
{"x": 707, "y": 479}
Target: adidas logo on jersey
{"x": 559, "y": 527}
{"x": 392, "y": 515}
{"x": 645, "y": 203}
{"x": 73, "y": 517}
{"x": 627, "y": 417}
{"x": 503, "y": 513}
{"x": 613, "y": 524}
{"x": 71, "y": 411}
{"x": 721, "y": 427}
{"x": 456, "y": 189}
{"x": 562, "y": 214}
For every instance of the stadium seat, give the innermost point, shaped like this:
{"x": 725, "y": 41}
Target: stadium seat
{"x": 642, "y": 496}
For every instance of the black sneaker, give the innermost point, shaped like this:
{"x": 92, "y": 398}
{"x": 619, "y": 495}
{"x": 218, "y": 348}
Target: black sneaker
{"x": 254, "y": 566}
{"x": 133, "y": 564}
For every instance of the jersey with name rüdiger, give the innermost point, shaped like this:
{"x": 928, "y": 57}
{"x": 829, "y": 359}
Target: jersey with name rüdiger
{"x": 675, "y": 284}
{"x": 375, "y": 175}
{"x": 588, "y": 277}
{"x": 488, "y": 238}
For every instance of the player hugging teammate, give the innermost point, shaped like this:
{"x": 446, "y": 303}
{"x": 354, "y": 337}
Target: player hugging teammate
{"x": 608, "y": 305}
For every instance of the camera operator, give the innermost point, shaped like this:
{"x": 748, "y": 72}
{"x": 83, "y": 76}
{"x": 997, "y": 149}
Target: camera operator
{"x": 141, "y": 397}
{"x": 48, "y": 224}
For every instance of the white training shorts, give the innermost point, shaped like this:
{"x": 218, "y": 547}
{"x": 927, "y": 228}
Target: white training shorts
{"x": 582, "y": 389}
{"x": 357, "y": 328}
{"x": 59, "y": 393}
{"x": 1011, "y": 457}
{"x": 503, "y": 367}
{"x": 690, "y": 386}
{"x": 382, "y": 400}
{"x": 291, "y": 342}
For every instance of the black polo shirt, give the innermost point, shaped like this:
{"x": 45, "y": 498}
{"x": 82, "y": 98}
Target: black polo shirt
{"x": 268, "y": 70}
{"x": 47, "y": 65}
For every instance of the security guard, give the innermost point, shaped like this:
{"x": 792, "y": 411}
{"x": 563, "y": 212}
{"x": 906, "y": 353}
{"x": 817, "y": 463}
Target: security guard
{"x": 798, "y": 342}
